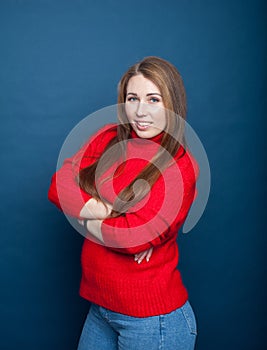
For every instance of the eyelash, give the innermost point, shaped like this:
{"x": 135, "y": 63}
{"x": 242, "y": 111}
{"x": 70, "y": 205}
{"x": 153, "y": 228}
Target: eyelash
{"x": 130, "y": 99}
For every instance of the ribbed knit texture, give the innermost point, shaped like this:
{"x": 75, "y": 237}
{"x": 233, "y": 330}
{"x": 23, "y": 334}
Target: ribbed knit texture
{"x": 110, "y": 276}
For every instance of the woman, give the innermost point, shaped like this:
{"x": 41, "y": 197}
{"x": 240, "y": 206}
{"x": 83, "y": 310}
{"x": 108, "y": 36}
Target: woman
{"x": 131, "y": 187}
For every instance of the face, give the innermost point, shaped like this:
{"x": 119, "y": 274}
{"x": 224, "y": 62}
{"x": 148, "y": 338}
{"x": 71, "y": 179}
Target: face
{"x": 144, "y": 107}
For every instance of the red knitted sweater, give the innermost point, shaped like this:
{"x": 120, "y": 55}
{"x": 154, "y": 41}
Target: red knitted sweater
{"x": 110, "y": 276}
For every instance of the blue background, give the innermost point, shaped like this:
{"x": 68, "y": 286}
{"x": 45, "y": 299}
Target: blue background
{"x": 59, "y": 62}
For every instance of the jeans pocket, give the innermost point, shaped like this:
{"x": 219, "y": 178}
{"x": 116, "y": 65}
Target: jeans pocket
{"x": 189, "y": 317}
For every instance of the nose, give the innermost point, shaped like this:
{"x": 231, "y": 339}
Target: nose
{"x": 141, "y": 110}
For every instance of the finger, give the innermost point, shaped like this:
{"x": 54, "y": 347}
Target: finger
{"x": 149, "y": 253}
{"x": 137, "y": 256}
{"x": 142, "y": 256}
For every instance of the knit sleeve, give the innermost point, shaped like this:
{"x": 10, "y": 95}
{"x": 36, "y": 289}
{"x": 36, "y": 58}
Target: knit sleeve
{"x": 158, "y": 216}
{"x": 64, "y": 190}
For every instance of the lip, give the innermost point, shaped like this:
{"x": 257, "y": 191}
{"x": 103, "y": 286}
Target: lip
{"x": 142, "y": 125}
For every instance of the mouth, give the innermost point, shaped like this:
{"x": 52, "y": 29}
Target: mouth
{"x": 141, "y": 125}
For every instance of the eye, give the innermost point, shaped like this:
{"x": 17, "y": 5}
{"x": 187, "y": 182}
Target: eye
{"x": 154, "y": 99}
{"x": 131, "y": 99}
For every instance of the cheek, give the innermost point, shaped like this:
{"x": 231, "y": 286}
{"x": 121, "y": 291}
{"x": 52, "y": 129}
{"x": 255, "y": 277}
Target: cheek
{"x": 160, "y": 118}
{"x": 129, "y": 110}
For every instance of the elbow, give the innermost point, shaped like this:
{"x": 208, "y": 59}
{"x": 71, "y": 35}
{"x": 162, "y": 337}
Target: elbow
{"x": 52, "y": 194}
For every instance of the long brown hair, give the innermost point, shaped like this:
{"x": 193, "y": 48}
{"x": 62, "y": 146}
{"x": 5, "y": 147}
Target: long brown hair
{"x": 168, "y": 80}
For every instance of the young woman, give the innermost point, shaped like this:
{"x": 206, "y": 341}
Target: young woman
{"x": 131, "y": 187}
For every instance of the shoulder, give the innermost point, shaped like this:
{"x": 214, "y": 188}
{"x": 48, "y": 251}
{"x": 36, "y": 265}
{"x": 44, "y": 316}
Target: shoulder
{"x": 101, "y": 137}
{"x": 108, "y": 131}
{"x": 96, "y": 143}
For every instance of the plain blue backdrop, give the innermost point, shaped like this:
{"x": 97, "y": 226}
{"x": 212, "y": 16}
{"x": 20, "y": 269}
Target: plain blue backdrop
{"x": 62, "y": 60}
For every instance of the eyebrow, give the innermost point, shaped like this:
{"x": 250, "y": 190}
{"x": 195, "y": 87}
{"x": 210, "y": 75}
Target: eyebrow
{"x": 152, "y": 93}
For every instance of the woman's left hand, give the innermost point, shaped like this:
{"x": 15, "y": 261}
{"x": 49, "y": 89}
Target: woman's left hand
{"x": 142, "y": 255}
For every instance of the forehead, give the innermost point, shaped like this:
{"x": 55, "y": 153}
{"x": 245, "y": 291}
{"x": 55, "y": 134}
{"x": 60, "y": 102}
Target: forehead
{"x": 139, "y": 83}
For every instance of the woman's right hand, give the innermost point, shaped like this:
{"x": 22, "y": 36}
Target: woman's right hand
{"x": 94, "y": 209}
{"x": 142, "y": 255}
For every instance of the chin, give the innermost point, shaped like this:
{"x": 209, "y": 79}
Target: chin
{"x": 147, "y": 134}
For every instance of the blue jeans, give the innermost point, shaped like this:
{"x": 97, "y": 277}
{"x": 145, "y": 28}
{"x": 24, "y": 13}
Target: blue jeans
{"x": 108, "y": 330}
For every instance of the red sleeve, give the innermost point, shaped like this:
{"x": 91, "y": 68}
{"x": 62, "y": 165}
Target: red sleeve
{"x": 64, "y": 191}
{"x": 158, "y": 216}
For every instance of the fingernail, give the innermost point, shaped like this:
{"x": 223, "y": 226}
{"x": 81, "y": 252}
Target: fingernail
{"x": 147, "y": 259}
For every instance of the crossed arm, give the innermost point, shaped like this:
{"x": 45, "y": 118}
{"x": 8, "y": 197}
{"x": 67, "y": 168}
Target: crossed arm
{"x": 164, "y": 206}
{"x": 93, "y": 214}
{"x": 68, "y": 197}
